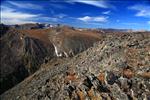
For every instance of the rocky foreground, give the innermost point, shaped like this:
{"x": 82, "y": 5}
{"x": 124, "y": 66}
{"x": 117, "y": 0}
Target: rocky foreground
{"x": 115, "y": 68}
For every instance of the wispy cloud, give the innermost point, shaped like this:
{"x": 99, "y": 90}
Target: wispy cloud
{"x": 61, "y": 15}
{"x": 96, "y": 3}
{"x": 12, "y": 13}
{"x": 142, "y": 10}
{"x": 57, "y": 5}
{"x": 106, "y": 12}
{"x": 11, "y": 16}
{"x": 148, "y": 22}
{"x": 52, "y": 19}
{"x": 25, "y": 5}
{"x": 93, "y": 19}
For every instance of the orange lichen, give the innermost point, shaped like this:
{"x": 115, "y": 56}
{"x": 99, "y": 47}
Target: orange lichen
{"x": 81, "y": 95}
{"x": 71, "y": 76}
{"x": 93, "y": 95}
{"x": 101, "y": 77}
{"x": 145, "y": 74}
{"x": 128, "y": 73}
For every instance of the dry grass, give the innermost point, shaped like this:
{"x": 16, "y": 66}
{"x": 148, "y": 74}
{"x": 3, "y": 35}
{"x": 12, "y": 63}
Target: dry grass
{"x": 41, "y": 34}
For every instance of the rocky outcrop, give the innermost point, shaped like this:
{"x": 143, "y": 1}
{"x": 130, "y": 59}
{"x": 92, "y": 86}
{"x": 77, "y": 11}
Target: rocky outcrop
{"x": 116, "y": 68}
{"x": 20, "y": 57}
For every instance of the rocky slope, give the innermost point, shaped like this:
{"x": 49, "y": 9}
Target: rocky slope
{"x": 24, "y": 50}
{"x": 116, "y": 68}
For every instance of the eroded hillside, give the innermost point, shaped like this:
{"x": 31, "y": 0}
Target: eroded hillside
{"x": 24, "y": 50}
{"x": 69, "y": 41}
{"x": 20, "y": 57}
{"x": 116, "y": 67}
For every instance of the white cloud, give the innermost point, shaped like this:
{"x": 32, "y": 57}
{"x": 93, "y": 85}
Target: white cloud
{"x": 96, "y": 3}
{"x": 142, "y": 10}
{"x": 17, "y": 15}
{"x": 52, "y": 19}
{"x": 93, "y": 19}
{"x": 25, "y": 5}
{"x": 106, "y": 12}
{"x": 61, "y": 15}
{"x": 86, "y": 18}
{"x": 11, "y": 16}
{"x": 15, "y": 21}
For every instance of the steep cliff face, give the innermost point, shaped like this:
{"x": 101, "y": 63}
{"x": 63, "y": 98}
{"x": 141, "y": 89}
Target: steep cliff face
{"x": 35, "y": 52}
{"x": 68, "y": 42}
{"x": 20, "y": 57}
{"x": 116, "y": 68}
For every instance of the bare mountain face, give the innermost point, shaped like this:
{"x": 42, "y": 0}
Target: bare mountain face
{"x": 115, "y": 68}
{"x": 20, "y": 57}
{"x": 24, "y": 50}
{"x": 68, "y": 42}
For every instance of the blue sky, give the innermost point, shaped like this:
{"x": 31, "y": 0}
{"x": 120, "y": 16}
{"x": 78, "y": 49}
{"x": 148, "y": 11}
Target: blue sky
{"x": 129, "y": 14}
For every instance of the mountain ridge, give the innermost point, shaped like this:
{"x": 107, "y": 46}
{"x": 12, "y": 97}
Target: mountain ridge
{"x": 23, "y": 51}
{"x": 108, "y": 70}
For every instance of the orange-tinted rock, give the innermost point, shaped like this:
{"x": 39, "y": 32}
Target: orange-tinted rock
{"x": 92, "y": 95}
{"x": 101, "y": 77}
{"x": 128, "y": 73}
{"x": 145, "y": 74}
{"x": 71, "y": 76}
{"x": 81, "y": 95}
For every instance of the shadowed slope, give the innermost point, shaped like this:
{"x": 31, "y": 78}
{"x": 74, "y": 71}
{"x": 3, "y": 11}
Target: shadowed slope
{"x": 20, "y": 57}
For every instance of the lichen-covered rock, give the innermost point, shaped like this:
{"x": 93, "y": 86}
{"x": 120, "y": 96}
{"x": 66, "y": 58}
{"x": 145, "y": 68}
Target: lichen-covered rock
{"x": 117, "y": 93}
